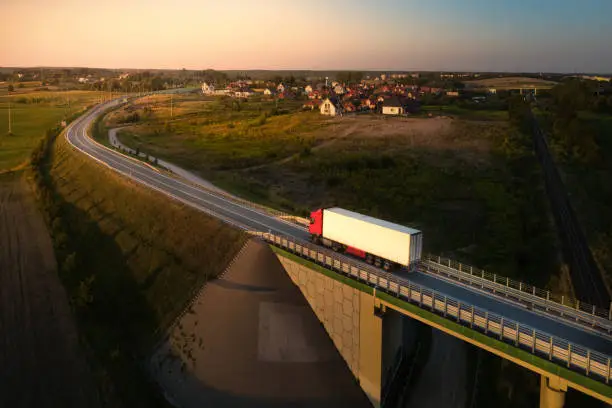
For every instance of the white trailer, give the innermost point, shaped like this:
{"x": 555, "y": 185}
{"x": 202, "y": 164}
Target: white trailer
{"x": 389, "y": 241}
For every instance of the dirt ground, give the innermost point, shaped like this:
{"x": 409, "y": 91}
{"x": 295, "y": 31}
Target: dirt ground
{"x": 251, "y": 340}
{"x": 41, "y": 363}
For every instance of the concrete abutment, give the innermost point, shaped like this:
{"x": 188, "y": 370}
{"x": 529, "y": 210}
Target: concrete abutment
{"x": 366, "y": 334}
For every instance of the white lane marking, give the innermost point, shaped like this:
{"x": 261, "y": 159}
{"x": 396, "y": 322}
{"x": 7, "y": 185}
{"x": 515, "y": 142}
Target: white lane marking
{"x": 145, "y": 179}
{"x": 88, "y": 142}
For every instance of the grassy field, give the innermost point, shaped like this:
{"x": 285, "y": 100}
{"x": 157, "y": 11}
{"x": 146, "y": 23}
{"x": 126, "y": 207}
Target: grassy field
{"x": 510, "y": 83}
{"x": 130, "y": 260}
{"x": 462, "y": 113}
{"x": 589, "y": 183}
{"x": 32, "y": 114}
{"x": 452, "y": 178}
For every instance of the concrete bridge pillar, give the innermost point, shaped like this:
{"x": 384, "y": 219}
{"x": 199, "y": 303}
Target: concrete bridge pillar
{"x": 552, "y": 392}
{"x": 370, "y": 350}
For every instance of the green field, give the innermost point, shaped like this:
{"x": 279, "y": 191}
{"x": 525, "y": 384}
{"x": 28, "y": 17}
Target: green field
{"x": 32, "y": 114}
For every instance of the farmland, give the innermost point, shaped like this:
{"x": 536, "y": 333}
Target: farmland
{"x": 32, "y": 114}
{"x": 36, "y": 315}
{"x": 510, "y": 83}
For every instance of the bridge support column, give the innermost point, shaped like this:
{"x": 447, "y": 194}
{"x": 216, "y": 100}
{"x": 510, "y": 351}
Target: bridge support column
{"x": 552, "y": 392}
{"x": 370, "y": 350}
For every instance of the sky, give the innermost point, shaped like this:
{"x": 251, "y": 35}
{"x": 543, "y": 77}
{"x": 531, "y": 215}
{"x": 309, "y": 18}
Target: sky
{"x": 440, "y": 35}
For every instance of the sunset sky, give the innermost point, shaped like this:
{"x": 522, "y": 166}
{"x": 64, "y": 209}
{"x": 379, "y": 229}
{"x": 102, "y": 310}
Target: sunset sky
{"x": 483, "y": 35}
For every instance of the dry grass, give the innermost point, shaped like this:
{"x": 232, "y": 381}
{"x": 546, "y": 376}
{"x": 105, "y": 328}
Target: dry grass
{"x": 510, "y": 83}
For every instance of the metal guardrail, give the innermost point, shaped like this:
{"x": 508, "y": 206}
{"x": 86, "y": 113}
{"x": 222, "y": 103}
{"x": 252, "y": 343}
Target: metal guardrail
{"x": 591, "y": 363}
{"x": 543, "y": 300}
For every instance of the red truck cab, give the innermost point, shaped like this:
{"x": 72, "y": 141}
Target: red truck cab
{"x": 316, "y": 223}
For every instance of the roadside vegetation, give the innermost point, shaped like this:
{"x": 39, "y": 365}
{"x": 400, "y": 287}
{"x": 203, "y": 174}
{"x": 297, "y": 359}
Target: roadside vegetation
{"x": 579, "y": 125}
{"x": 129, "y": 258}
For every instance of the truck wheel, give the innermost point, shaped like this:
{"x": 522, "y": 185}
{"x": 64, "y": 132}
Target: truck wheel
{"x": 387, "y": 266}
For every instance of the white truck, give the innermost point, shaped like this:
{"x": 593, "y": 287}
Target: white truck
{"x": 379, "y": 242}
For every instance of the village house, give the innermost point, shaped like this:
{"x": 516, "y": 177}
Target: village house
{"x": 268, "y": 92}
{"x": 280, "y": 88}
{"x": 452, "y": 93}
{"x": 308, "y": 89}
{"x": 339, "y": 89}
{"x": 243, "y": 93}
{"x": 393, "y": 106}
{"x": 208, "y": 89}
{"x": 331, "y": 107}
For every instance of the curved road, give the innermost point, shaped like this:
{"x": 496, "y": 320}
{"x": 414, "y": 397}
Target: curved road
{"x": 251, "y": 219}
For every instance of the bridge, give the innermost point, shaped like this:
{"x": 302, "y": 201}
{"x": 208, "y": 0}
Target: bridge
{"x": 567, "y": 342}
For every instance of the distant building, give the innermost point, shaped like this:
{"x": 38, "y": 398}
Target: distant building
{"x": 330, "y": 107}
{"x": 393, "y": 106}
{"x": 208, "y": 89}
{"x": 339, "y": 89}
{"x": 308, "y": 89}
{"x": 268, "y": 92}
{"x": 452, "y": 93}
{"x": 243, "y": 93}
{"x": 280, "y": 88}
{"x": 492, "y": 91}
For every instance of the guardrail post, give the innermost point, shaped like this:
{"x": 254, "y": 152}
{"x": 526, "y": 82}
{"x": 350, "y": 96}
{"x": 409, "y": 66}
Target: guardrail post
{"x": 507, "y": 281}
{"x": 445, "y": 306}
{"x": 608, "y": 376}
{"x": 471, "y": 270}
{"x": 439, "y": 260}
{"x": 486, "y": 322}
{"x": 577, "y": 305}
{"x": 459, "y": 312}
{"x": 550, "y": 352}
{"x": 516, "y": 339}
{"x": 421, "y": 297}
{"x": 521, "y": 286}
{"x": 472, "y": 319}
{"x": 569, "y": 354}
{"x": 409, "y": 293}
{"x": 494, "y": 278}
{"x": 610, "y": 312}
{"x": 533, "y": 291}
{"x": 588, "y": 363}
{"x": 547, "y": 299}
{"x": 562, "y": 299}
{"x": 533, "y": 343}
{"x": 501, "y": 329}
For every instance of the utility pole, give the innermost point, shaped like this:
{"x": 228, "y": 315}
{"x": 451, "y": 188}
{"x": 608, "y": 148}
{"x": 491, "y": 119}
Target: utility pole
{"x": 10, "y": 130}
{"x": 171, "y": 106}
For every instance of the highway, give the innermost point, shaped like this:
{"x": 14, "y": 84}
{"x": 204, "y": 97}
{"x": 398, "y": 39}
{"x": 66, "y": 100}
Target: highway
{"x": 251, "y": 219}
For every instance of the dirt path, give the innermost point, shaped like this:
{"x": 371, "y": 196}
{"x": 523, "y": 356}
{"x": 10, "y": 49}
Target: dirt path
{"x": 41, "y": 364}
{"x": 251, "y": 340}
